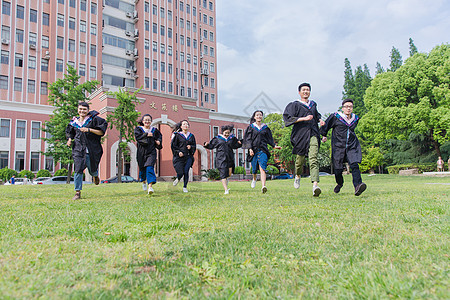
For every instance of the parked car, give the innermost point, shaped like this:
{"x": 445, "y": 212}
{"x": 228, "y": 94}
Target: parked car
{"x": 20, "y": 181}
{"x": 59, "y": 180}
{"x": 115, "y": 179}
{"x": 284, "y": 176}
{"x": 39, "y": 179}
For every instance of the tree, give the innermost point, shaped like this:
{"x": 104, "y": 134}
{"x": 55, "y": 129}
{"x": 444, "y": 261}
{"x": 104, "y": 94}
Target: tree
{"x": 124, "y": 119}
{"x": 413, "y": 99}
{"x": 282, "y": 137}
{"x": 349, "y": 81}
{"x": 372, "y": 158}
{"x": 355, "y": 86}
{"x": 396, "y": 59}
{"x": 379, "y": 68}
{"x": 412, "y": 47}
{"x": 6, "y": 174}
{"x": 65, "y": 94}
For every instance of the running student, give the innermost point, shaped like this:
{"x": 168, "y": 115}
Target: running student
{"x": 148, "y": 139}
{"x": 224, "y": 143}
{"x": 183, "y": 148}
{"x": 345, "y": 146}
{"x": 305, "y": 137}
{"x": 84, "y": 134}
{"x": 256, "y": 138}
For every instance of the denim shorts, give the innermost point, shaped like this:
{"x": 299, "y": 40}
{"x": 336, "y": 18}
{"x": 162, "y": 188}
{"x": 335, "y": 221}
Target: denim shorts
{"x": 259, "y": 159}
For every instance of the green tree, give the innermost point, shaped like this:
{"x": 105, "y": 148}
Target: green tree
{"x": 124, "y": 119}
{"x": 396, "y": 60}
{"x": 65, "y": 94}
{"x": 282, "y": 137}
{"x": 379, "y": 69}
{"x": 43, "y": 173}
{"x": 349, "y": 81}
{"x": 6, "y": 174}
{"x": 372, "y": 158}
{"x": 412, "y": 48}
{"x": 27, "y": 173}
{"x": 413, "y": 99}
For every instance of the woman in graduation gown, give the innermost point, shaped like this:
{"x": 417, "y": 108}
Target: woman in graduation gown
{"x": 225, "y": 143}
{"x": 345, "y": 146}
{"x": 256, "y": 138}
{"x": 183, "y": 148}
{"x": 148, "y": 139}
{"x": 84, "y": 134}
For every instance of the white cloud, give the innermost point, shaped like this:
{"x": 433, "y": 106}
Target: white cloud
{"x": 272, "y": 46}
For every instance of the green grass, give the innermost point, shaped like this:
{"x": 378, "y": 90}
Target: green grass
{"x": 116, "y": 242}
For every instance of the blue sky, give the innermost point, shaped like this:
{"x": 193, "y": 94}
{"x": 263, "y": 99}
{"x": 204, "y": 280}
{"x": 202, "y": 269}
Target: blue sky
{"x": 272, "y": 46}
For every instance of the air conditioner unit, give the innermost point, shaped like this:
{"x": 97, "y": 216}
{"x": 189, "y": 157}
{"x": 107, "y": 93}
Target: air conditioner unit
{"x": 129, "y": 14}
{"x": 201, "y": 55}
{"x": 136, "y": 32}
{"x": 205, "y": 71}
{"x": 32, "y": 46}
{"x": 128, "y": 52}
{"x": 134, "y": 69}
{"x": 201, "y": 40}
{"x": 128, "y": 71}
{"x": 135, "y": 14}
{"x": 135, "y": 52}
{"x": 128, "y": 33}
{"x": 5, "y": 41}
{"x": 135, "y": 75}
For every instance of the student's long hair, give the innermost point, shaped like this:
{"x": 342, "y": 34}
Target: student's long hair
{"x": 177, "y": 127}
{"x": 141, "y": 121}
{"x": 252, "y": 119}
{"x": 227, "y": 127}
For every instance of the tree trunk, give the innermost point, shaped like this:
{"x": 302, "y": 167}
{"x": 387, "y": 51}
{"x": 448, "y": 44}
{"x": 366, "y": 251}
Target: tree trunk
{"x": 435, "y": 144}
{"x": 119, "y": 170}
{"x": 69, "y": 173}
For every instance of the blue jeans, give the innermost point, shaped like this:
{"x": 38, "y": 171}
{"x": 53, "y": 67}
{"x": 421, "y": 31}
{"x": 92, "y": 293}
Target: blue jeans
{"x": 259, "y": 160}
{"x": 148, "y": 174}
{"x": 78, "y": 177}
{"x": 185, "y": 173}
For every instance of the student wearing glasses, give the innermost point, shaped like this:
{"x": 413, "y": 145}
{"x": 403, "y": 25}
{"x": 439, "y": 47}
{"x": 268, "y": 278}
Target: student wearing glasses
{"x": 345, "y": 146}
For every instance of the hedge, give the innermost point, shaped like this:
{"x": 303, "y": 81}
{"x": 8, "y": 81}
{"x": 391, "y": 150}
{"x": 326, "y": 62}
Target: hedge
{"x": 421, "y": 167}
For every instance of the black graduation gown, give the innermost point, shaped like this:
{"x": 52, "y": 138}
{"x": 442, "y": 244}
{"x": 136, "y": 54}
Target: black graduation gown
{"x": 344, "y": 143}
{"x": 302, "y": 131}
{"x": 146, "y": 146}
{"x": 179, "y": 144}
{"x": 82, "y": 140}
{"x": 258, "y": 139}
{"x": 224, "y": 152}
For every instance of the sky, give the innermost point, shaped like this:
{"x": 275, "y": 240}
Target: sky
{"x": 272, "y": 46}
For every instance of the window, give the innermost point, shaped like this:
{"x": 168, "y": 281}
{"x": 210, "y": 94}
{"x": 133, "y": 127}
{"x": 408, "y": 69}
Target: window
{"x": 71, "y": 63}
{"x": 83, "y": 5}
{"x": 169, "y": 50}
{"x": 163, "y": 86}
{"x": 49, "y": 164}
{"x": 188, "y": 25}
{"x": 182, "y": 73}
{"x": 189, "y": 75}
{"x": 155, "y": 46}
{"x": 146, "y": 7}
{"x": 182, "y": 39}
{"x": 4, "y": 155}
{"x": 188, "y": 58}
{"x": 211, "y": 36}
{"x": 147, "y": 82}
{"x": 6, "y": 8}
{"x": 44, "y": 88}
{"x": 163, "y": 66}
{"x": 35, "y": 130}
{"x": 213, "y": 84}
{"x": 94, "y": 8}
{"x": 5, "y": 127}
{"x": 155, "y": 65}
{"x": 33, "y": 15}
{"x": 72, "y": 3}
{"x": 212, "y": 68}
{"x": 169, "y": 33}
{"x": 17, "y": 84}
{"x": 194, "y": 11}
{"x": 59, "y": 65}
{"x": 34, "y": 166}
{"x": 205, "y": 49}
{"x": 45, "y": 19}
{"x": 60, "y": 20}
{"x": 210, "y": 5}
{"x": 182, "y": 56}
{"x": 155, "y": 84}
{"x": 5, "y": 33}
{"x": 188, "y": 41}
{"x": 61, "y": 1}
{"x": 155, "y": 10}
{"x": 188, "y": 9}
{"x": 155, "y": 28}
{"x": 82, "y": 48}
{"x": 20, "y": 161}
{"x": 204, "y": 3}
{"x": 45, "y": 41}
{"x": 82, "y": 70}
{"x": 20, "y": 13}
{"x": 169, "y": 15}
{"x": 19, "y": 35}
{"x": 32, "y": 38}
{"x": 60, "y": 42}
{"x": 181, "y": 22}
{"x": 163, "y": 49}
{"x": 213, "y": 98}
{"x": 83, "y": 26}
{"x": 71, "y": 23}
{"x": 182, "y": 91}
{"x": 211, "y": 51}
{"x": 194, "y": 44}
{"x": 32, "y": 62}
{"x": 146, "y": 44}
{"x": 31, "y": 86}
{"x": 206, "y": 97}
{"x": 93, "y": 50}
{"x": 71, "y": 45}
{"x": 161, "y": 12}
{"x": 163, "y": 30}
{"x": 215, "y": 130}
{"x": 170, "y": 87}
{"x": 93, "y": 72}
{"x": 21, "y": 129}
{"x": 195, "y": 76}
{"x": 3, "y": 82}
{"x": 211, "y": 21}
{"x": 195, "y": 60}
{"x": 44, "y": 65}
{"x": 94, "y": 29}
{"x": 205, "y": 34}
{"x": 170, "y": 68}
{"x": 181, "y": 6}
{"x": 5, "y": 57}
{"x": 206, "y": 81}
{"x": 205, "y": 19}
{"x": 147, "y": 63}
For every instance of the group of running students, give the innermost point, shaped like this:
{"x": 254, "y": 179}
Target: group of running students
{"x": 84, "y": 133}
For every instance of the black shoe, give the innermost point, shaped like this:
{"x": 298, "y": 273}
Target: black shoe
{"x": 337, "y": 188}
{"x": 360, "y": 189}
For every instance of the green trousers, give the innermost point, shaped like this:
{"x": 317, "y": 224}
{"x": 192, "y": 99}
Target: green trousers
{"x": 313, "y": 162}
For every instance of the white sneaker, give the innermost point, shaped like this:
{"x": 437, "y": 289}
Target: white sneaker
{"x": 297, "y": 182}
{"x": 263, "y": 189}
{"x": 185, "y": 190}
{"x": 144, "y": 186}
{"x": 150, "y": 190}
{"x": 175, "y": 182}
{"x": 227, "y": 192}
{"x": 316, "y": 191}
{"x": 253, "y": 184}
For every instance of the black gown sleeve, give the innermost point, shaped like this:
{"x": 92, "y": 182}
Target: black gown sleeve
{"x": 193, "y": 144}
{"x": 140, "y": 136}
{"x": 289, "y": 115}
{"x": 270, "y": 140}
{"x": 235, "y": 144}
{"x": 248, "y": 138}
{"x": 70, "y": 132}
{"x": 100, "y": 124}
{"x": 158, "y": 137}
{"x": 175, "y": 145}
{"x": 212, "y": 144}
{"x": 329, "y": 123}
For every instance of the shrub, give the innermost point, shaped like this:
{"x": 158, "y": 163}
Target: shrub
{"x": 62, "y": 172}
{"x": 272, "y": 170}
{"x": 239, "y": 170}
{"x": 6, "y": 174}
{"x": 421, "y": 167}
{"x": 43, "y": 173}
{"x": 212, "y": 174}
{"x": 27, "y": 173}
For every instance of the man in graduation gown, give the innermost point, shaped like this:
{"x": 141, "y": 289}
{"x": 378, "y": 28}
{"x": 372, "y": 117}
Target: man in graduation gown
{"x": 345, "y": 146}
{"x": 303, "y": 116}
{"x": 84, "y": 135}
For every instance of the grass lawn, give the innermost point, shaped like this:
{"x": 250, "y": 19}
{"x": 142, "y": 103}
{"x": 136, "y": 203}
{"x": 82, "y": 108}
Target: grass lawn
{"x": 117, "y": 242}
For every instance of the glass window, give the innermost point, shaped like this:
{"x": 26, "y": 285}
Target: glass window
{"x": 169, "y": 50}
{"x": 20, "y": 161}
{"x": 5, "y": 127}
{"x": 17, "y": 84}
{"x": 49, "y": 164}
{"x": 155, "y": 46}
{"x": 169, "y": 15}
{"x": 210, "y": 5}
{"x": 71, "y": 45}
{"x": 213, "y": 84}
{"x": 83, "y": 5}
{"x": 163, "y": 85}
{"x": 163, "y": 66}
{"x": 82, "y": 48}
{"x": 59, "y": 65}
{"x": 94, "y": 29}
{"x": 4, "y": 156}
{"x": 146, "y": 44}
{"x": 72, "y": 3}
{"x": 169, "y": 33}
{"x": 60, "y": 20}
{"x": 61, "y": 1}
{"x": 44, "y": 88}
{"x": 45, "y": 19}
{"x": 93, "y": 8}
{"x": 31, "y": 86}
{"x": 211, "y": 51}
{"x": 163, "y": 49}
{"x": 33, "y": 15}
{"x": 6, "y": 8}
{"x": 44, "y": 65}
{"x": 146, "y": 7}
{"x": 93, "y": 50}
{"x": 155, "y": 65}
{"x": 93, "y": 72}
{"x": 212, "y": 67}
{"x": 21, "y": 129}
{"x": 147, "y": 63}
{"x": 5, "y": 57}
{"x": 32, "y": 38}
{"x": 211, "y": 21}
{"x": 155, "y": 28}
{"x": 211, "y": 36}
{"x": 170, "y": 68}
{"x": 155, "y": 84}
{"x": 155, "y": 10}
{"x": 161, "y": 12}
{"x": 60, "y": 42}
{"x": 5, "y": 33}
{"x": 19, "y": 35}
{"x": 35, "y": 130}
{"x": 71, "y": 23}
{"x": 163, "y": 30}
{"x": 170, "y": 87}
{"x": 147, "y": 82}
{"x": 45, "y": 41}
{"x": 32, "y": 62}
{"x": 194, "y": 11}
{"x": 3, "y": 82}
{"x": 20, "y": 13}
{"x": 34, "y": 166}
{"x": 82, "y": 70}
{"x": 83, "y": 26}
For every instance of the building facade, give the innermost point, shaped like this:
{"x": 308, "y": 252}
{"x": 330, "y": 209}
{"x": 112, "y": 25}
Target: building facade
{"x": 167, "y": 48}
